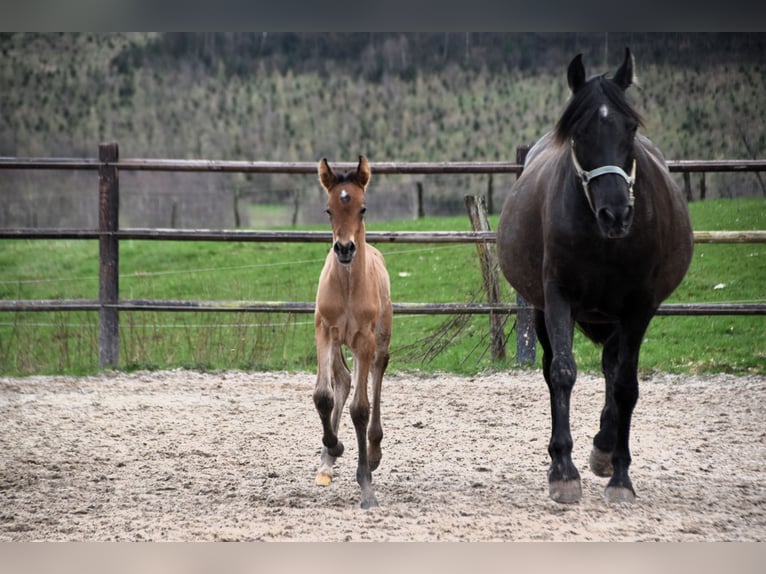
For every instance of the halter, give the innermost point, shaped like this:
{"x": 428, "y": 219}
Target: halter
{"x": 587, "y": 176}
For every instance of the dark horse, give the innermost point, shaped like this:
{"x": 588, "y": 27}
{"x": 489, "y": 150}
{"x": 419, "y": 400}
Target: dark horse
{"x": 594, "y": 232}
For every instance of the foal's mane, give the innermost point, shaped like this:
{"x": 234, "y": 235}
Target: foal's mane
{"x": 584, "y": 104}
{"x": 345, "y": 177}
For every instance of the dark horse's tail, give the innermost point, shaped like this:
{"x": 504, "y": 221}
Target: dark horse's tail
{"x": 599, "y": 333}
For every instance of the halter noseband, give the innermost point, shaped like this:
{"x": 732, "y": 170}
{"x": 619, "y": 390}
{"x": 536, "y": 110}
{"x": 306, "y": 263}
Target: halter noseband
{"x": 587, "y": 176}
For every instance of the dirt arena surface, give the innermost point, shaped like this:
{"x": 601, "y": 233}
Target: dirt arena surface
{"x": 188, "y": 456}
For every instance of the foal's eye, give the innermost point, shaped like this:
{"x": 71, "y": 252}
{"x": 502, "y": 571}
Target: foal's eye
{"x": 363, "y": 211}
{"x": 328, "y": 212}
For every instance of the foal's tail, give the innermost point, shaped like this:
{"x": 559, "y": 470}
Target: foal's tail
{"x": 340, "y": 361}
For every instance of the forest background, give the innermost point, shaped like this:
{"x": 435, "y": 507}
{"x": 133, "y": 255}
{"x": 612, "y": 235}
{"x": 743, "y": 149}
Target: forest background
{"x": 302, "y": 96}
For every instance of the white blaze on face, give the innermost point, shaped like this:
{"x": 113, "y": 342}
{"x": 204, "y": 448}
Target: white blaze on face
{"x": 344, "y": 196}
{"x": 603, "y": 111}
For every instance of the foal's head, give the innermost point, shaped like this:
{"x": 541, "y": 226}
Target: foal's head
{"x": 600, "y": 126}
{"x": 346, "y": 206}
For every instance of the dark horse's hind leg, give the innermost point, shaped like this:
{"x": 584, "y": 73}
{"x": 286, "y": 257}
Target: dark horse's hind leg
{"x": 611, "y": 445}
{"x": 560, "y": 372}
{"x": 604, "y": 442}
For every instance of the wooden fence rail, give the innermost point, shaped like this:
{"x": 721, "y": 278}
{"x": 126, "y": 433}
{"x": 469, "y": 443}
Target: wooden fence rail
{"x": 256, "y": 236}
{"x": 305, "y": 167}
{"x": 108, "y": 305}
{"x": 400, "y": 308}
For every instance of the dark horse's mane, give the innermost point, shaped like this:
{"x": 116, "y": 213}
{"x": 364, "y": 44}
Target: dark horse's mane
{"x": 585, "y": 103}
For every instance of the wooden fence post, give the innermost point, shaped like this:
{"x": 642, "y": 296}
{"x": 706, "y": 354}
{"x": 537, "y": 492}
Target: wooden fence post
{"x": 688, "y": 186}
{"x": 108, "y": 248}
{"x": 477, "y": 213}
{"x": 420, "y": 211}
{"x": 490, "y": 197}
{"x": 526, "y": 338}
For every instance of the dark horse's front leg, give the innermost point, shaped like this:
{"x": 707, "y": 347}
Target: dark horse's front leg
{"x": 611, "y": 445}
{"x": 554, "y": 330}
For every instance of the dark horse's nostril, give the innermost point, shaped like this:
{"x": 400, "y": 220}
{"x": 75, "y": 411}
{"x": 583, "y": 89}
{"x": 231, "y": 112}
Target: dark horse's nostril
{"x": 623, "y": 217}
{"x": 615, "y": 223}
{"x": 605, "y": 215}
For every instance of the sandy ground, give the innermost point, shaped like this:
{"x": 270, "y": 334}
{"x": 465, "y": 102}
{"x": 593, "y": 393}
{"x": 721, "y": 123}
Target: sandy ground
{"x": 188, "y": 456}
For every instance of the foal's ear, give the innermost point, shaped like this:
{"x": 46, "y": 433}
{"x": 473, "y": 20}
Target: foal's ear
{"x": 326, "y": 174}
{"x": 363, "y": 174}
{"x": 576, "y": 73}
{"x": 624, "y": 76}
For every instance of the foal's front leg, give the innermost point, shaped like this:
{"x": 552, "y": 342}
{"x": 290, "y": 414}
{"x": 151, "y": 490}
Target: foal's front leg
{"x": 375, "y": 433}
{"x": 332, "y": 388}
{"x": 360, "y": 415}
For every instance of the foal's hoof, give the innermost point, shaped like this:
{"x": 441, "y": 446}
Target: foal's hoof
{"x": 601, "y": 462}
{"x": 323, "y": 479}
{"x": 619, "y": 495}
{"x": 565, "y": 491}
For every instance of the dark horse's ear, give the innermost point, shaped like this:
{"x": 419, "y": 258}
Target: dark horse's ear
{"x": 624, "y": 76}
{"x": 363, "y": 172}
{"x": 576, "y": 73}
{"x": 326, "y": 174}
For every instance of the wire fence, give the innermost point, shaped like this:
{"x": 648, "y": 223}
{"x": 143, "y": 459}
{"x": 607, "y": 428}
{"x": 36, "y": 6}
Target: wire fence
{"x": 108, "y": 304}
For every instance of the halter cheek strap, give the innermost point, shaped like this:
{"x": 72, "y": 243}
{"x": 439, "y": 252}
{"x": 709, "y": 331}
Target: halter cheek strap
{"x": 587, "y": 176}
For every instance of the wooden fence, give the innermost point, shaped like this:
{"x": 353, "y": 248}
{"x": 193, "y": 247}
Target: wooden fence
{"x": 109, "y": 235}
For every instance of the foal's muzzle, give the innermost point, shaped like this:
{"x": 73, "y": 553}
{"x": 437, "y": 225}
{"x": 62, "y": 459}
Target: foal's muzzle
{"x": 344, "y": 251}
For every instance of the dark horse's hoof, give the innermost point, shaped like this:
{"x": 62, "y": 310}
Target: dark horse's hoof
{"x": 619, "y": 494}
{"x": 565, "y": 491}
{"x": 601, "y": 462}
{"x": 369, "y": 502}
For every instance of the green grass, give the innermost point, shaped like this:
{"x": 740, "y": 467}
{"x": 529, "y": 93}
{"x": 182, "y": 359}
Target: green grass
{"x": 43, "y": 343}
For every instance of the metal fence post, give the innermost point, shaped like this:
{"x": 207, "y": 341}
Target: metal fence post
{"x": 526, "y": 338}
{"x": 108, "y": 287}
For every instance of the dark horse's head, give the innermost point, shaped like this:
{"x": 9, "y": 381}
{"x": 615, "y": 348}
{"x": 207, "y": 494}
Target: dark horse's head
{"x": 600, "y": 126}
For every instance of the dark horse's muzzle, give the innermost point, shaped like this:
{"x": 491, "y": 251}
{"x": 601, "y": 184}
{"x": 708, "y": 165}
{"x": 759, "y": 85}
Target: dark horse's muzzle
{"x": 344, "y": 251}
{"x": 614, "y": 220}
